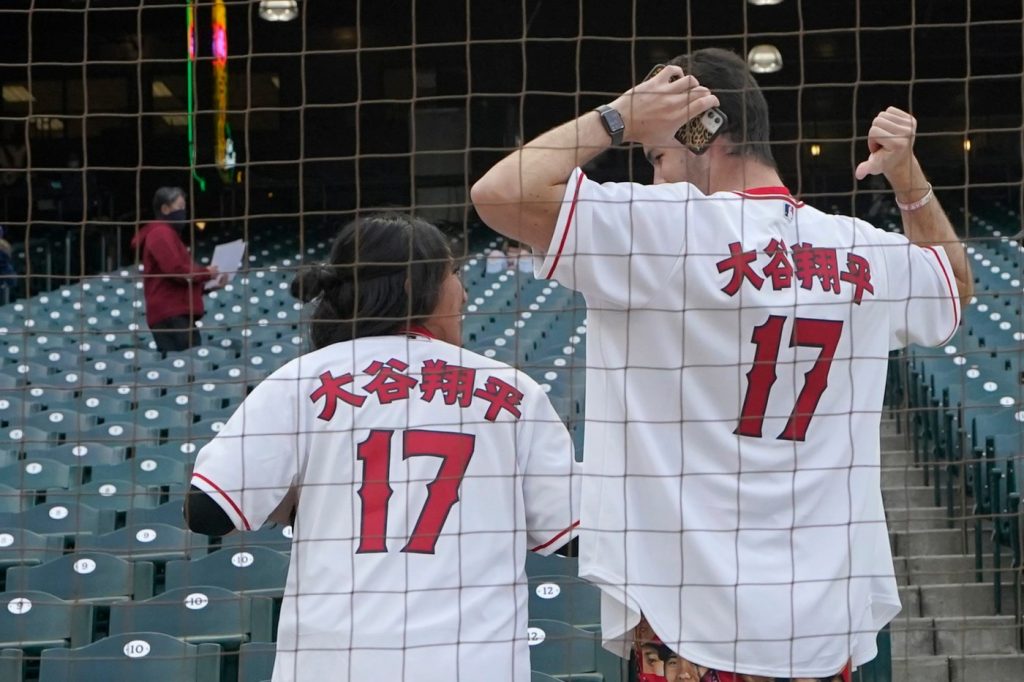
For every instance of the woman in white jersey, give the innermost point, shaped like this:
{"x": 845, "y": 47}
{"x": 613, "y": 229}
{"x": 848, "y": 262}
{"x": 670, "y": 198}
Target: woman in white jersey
{"x": 423, "y": 473}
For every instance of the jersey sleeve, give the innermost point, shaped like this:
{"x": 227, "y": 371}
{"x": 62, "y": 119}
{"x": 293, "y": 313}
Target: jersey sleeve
{"x": 551, "y": 476}
{"x": 249, "y": 467}
{"x": 923, "y": 299}
{"x": 619, "y": 242}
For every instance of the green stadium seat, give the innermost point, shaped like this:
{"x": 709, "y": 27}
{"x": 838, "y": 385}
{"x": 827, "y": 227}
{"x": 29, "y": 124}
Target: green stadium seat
{"x": 38, "y": 620}
{"x": 188, "y": 363}
{"x": 553, "y": 564}
{"x": 542, "y": 677}
{"x": 144, "y": 469}
{"x": 124, "y": 434}
{"x": 559, "y": 649}
{"x": 64, "y": 520}
{"x": 102, "y": 402}
{"x": 256, "y": 661}
{"x": 86, "y": 454}
{"x": 156, "y": 542}
{"x": 104, "y": 493}
{"x": 11, "y": 663}
{"x": 252, "y": 570}
{"x": 182, "y": 449}
{"x": 65, "y": 423}
{"x": 564, "y": 598}
{"x": 15, "y": 409}
{"x": 37, "y": 473}
{"x": 26, "y": 439}
{"x": 86, "y": 577}
{"x": 164, "y": 418}
{"x": 13, "y": 500}
{"x": 134, "y": 656}
{"x": 197, "y": 614}
{"x": 272, "y": 536}
{"x": 171, "y": 513}
{"x": 21, "y": 547}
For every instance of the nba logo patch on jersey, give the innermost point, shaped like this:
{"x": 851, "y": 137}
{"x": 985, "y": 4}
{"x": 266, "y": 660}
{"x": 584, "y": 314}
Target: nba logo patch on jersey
{"x": 788, "y": 211}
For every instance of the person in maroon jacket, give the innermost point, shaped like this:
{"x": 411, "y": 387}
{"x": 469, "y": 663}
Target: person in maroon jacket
{"x": 174, "y": 283}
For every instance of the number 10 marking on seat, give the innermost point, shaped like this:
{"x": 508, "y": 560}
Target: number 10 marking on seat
{"x": 767, "y": 338}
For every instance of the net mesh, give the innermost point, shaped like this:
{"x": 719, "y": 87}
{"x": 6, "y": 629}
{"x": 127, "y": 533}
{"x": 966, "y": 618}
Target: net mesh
{"x": 280, "y": 132}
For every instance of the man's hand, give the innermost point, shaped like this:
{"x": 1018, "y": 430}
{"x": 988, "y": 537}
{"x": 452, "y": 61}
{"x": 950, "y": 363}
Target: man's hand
{"x": 654, "y": 109}
{"x": 219, "y": 279}
{"x": 891, "y": 147}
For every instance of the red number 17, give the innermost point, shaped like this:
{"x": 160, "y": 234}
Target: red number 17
{"x": 767, "y": 338}
{"x": 454, "y": 450}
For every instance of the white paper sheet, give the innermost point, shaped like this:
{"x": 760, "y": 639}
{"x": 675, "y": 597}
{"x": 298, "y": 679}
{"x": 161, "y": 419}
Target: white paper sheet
{"x": 228, "y": 258}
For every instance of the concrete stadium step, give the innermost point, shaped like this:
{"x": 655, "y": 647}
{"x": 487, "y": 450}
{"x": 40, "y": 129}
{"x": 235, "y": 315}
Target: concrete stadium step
{"x": 987, "y": 668}
{"x": 954, "y": 636}
{"x": 898, "y": 458}
{"x": 901, "y": 475}
{"x": 965, "y": 599}
{"x": 892, "y": 440}
{"x": 974, "y": 668}
{"x": 918, "y": 518}
{"x": 949, "y": 569}
{"x": 944, "y": 541}
{"x": 901, "y": 497}
{"x": 920, "y": 669}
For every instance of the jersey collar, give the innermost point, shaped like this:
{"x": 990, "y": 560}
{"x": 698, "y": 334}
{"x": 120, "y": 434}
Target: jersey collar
{"x": 777, "y": 192}
{"x": 417, "y": 330}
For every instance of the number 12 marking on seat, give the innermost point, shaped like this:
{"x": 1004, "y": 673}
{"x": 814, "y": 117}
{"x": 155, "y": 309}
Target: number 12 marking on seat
{"x": 767, "y": 337}
{"x": 455, "y": 451}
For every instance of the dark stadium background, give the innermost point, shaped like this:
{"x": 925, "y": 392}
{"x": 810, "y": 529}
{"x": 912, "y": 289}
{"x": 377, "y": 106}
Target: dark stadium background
{"x": 321, "y": 106}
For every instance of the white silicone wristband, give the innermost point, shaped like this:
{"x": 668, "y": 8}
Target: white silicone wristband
{"x": 920, "y": 203}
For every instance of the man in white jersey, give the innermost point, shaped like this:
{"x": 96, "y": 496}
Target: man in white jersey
{"x": 738, "y": 342}
{"x": 424, "y": 473}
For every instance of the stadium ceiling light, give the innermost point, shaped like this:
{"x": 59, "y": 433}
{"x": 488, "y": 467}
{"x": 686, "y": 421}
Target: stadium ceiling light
{"x": 762, "y": 3}
{"x": 764, "y": 59}
{"x": 160, "y": 90}
{"x": 17, "y": 93}
{"x": 279, "y": 10}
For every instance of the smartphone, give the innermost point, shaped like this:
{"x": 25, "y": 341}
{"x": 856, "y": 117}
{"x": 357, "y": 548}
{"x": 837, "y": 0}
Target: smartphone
{"x": 698, "y": 133}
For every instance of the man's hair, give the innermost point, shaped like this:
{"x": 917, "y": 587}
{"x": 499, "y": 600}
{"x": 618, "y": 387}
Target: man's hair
{"x": 164, "y": 196}
{"x": 384, "y": 272}
{"x": 726, "y": 75}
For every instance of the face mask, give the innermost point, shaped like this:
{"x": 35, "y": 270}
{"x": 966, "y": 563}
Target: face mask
{"x": 177, "y": 219}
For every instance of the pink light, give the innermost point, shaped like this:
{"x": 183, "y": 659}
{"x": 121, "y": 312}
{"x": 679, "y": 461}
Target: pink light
{"x": 220, "y": 46}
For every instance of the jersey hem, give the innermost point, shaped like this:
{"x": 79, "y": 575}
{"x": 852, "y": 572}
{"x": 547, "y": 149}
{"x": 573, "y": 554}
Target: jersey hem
{"x": 549, "y": 543}
{"x": 232, "y": 510}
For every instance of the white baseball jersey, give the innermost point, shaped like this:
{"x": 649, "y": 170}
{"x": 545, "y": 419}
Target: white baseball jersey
{"x": 737, "y": 351}
{"x": 424, "y": 474}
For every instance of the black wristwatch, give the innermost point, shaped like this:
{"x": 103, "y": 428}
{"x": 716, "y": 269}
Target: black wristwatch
{"x": 612, "y": 121}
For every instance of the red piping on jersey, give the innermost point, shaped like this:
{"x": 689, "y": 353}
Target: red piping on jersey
{"x": 568, "y": 222}
{"x": 779, "y": 192}
{"x": 552, "y": 540}
{"x": 226, "y": 497}
{"x": 418, "y": 330}
{"x": 949, "y": 284}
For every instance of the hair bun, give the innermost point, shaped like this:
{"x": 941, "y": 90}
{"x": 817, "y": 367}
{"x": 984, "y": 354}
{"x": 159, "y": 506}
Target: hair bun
{"x": 311, "y": 282}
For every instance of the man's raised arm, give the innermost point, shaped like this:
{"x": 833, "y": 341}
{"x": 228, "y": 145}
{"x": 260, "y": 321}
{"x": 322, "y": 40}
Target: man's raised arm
{"x": 521, "y": 196}
{"x": 891, "y": 142}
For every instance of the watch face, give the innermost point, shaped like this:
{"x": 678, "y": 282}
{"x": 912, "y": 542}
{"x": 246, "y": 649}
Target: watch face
{"x": 614, "y": 120}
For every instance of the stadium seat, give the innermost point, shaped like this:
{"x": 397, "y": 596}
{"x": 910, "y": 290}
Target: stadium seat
{"x": 65, "y": 520}
{"x": 156, "y": 542}
{"x": 86, "y": 454}
{"x": 124, "y": 434}
{"x": 559, "y": 649}
{"x": 170, "y": 513}
{"x": 66, "y": 424}
{"x": 37, "y": 473}
{"x": 86, "y": 577}
{"x": 553, "y": 564}
{"x": 21, "y": 547}
{"x": 564, "y": 598}
{"x": 105, "y": 493}
{"x": 26, "y": 439}
{"x": 272, "y": 536}
{"x": 252, "y": 570}
{"x": 134, "y": 656}
{"x": 197, "y": 614}
{"x": 11, "y": 662}
{"x": 38, "y": 620}
{"x": 163, "y": 418}
{"x": 15, "y": 407}
{"x": 256, "y": 661}
{"x": 144, "y": 469}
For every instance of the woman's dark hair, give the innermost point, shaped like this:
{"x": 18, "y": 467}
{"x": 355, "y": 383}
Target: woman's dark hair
{"x": 164, "y": 196}
{"x": 362, "y": 289}
{"x": 727, "y": 76}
